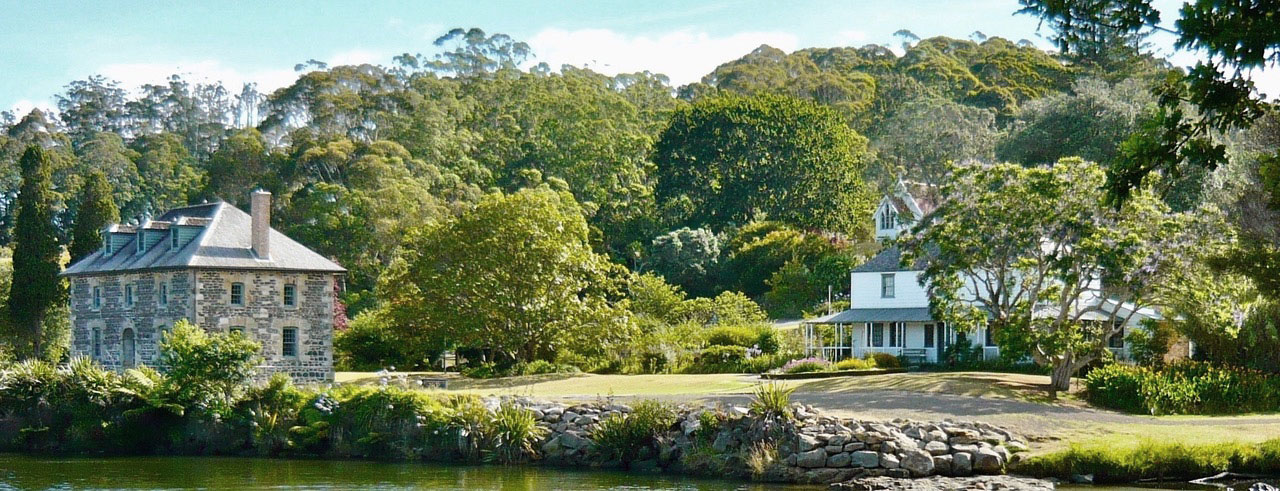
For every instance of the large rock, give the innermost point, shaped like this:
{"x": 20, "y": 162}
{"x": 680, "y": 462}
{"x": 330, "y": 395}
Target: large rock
{"x": 889, "y": 461}
{"x": 937, "y": 448}
{"x": 988, "y": 461}
{"x": 572, "y": 441}
{"x": 839, "y": 460}
{"x": 722, "y": 442}
{"x": 961, "y": 464}
{"x": 805, "y": 442}
{"x": 919, "y": 462}
{"x": 865, "y": 459}
{"x": 942, "y": 464}
{"x": 854, "y": 447}
{"x": 812, "y": 459}
{"x": 964, "y": 436}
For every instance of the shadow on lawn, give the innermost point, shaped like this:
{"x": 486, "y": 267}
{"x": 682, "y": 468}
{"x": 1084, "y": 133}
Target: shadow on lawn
{"x": 985, "y": 385}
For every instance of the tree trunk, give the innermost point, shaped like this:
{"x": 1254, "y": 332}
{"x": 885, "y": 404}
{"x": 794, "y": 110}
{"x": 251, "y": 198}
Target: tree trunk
{"x": 1060, "y": 377}
{"x": 36, "y": 329}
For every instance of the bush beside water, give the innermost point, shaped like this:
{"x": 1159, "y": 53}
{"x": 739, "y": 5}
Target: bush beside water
{"x": 1161, "y": 461}
{"x": 1183, "y": 388}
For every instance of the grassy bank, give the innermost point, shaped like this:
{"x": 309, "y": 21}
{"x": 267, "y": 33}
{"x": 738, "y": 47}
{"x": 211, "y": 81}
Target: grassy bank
{"x": 1150, "y": 459}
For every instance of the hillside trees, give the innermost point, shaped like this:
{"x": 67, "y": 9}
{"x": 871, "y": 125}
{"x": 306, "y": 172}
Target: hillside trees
{"x": 97, "y": 210}
{"x": 729, "y": 159}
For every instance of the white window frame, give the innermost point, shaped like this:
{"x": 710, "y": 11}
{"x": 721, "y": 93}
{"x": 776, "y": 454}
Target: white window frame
{"x": 888, "y": 289}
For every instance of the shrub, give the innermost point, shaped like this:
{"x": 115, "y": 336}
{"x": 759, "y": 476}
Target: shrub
{"x": 764, "y": 363}
{"x": 1149, "y": 345}
{"x": 1160, "y": 461}
{"x": 856, "y": 364}
{"x": 806, "y": 365}
{"x": 743, "y": 336}
{"x": 624, "y": 436}
{"x": 886, "y": 360}
{"x": 541, "y": 367}
{"x": 204, "y": 369}
{"x": 486, "y": 369}
{"x": 369, "y": 343}
{"x": 772, "y": 401}
{"x": 1183, "y": 388}
{"x": 719, "y": 359}
{"x": 512, "y": 434}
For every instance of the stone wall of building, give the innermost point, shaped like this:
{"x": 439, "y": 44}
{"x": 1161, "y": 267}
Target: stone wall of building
{"x": 204, "y": 297}
{"x": 264, "y": 316}
{"x": 116, "y": 321}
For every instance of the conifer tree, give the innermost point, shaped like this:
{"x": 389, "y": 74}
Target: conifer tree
{"x": 97, "y": 210}
{"x": 36, "y": 285}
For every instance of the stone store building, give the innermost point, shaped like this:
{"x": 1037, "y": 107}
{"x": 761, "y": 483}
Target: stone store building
{"x": 224, "y": 270}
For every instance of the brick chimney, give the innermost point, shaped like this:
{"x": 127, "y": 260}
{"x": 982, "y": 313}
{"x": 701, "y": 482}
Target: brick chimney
{"x": 260, "y": 209}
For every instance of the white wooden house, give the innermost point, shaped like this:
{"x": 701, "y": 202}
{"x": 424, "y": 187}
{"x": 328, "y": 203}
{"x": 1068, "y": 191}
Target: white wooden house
{"x": 889, "y": 306}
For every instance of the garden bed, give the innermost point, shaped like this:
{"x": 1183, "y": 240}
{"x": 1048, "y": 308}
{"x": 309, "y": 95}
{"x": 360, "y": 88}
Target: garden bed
{"x": 832, "y": 373}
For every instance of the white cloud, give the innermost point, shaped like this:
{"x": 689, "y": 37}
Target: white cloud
{"x": 134, "y": 75}
{"x": 24, "y": 106}
{"x": 683, "y": 55}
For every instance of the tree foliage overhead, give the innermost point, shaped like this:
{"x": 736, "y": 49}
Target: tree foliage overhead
{"x": 96, "y": 211}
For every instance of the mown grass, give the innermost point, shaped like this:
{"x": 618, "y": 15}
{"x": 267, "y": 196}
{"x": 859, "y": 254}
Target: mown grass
{"x": 1152, "y": 459}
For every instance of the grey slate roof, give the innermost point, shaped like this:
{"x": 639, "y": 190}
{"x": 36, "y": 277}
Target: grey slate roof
{"x": 890, "y": 259}
{"x": 224, "y": 243}
{"x": 913, "y": 314}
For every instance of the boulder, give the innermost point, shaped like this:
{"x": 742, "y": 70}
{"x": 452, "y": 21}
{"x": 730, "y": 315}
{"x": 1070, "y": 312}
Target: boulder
{"x": 839, "y": 460}
{"x": 889, "y": 461}
{"x": 722, "y": 442}
{"x": 573, "y": 442}
{"x": 937, "y": 448}
{"x": 988, "y": 461}
{"x": 942, "y": 464}
{"x": 834, "y": 449}
{"x": 812, "y": 459}
{"x": 961, "y": 464}
{"x": 854, "y": 447}
{"x": 935, "y": 435}
{"x": 963, "y": 436}
{"x": 806, "y": 442}
{"x": 865, "y": 459}
{"x": 919, "y": 462}
{"x": 837, "y": 440}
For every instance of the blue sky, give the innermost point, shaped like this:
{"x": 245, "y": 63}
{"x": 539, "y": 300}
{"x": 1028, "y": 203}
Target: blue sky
{"x": 47, "y": 44}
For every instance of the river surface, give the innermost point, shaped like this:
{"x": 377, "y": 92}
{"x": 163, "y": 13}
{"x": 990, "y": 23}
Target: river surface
{"x": 216, "y": 473}
{"x": 151, "y": 473}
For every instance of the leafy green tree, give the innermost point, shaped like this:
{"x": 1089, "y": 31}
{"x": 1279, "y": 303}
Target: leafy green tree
{"x": 243, "y": 162}
{"x": 36, "y": 254}
{"x": 922, "y": 136}
{"x": 1025, "y": 251}
{"x": 1236, "y": 36}
{"x": 514, "y": 276}
{"x": 687, "y": 257}
{"x": 169, "y": 176}
{"x": 1090, "y": 122}
{"x": 762, "y": 248}
{"x": 203, "y": 369}
{"x": 97, "y": 210}
{"x": 107, "y": 153}
{"x": 732, "y": 158}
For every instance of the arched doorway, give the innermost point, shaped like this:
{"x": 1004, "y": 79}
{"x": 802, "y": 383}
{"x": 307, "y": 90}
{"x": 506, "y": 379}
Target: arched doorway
{"x": 127, "y": 348}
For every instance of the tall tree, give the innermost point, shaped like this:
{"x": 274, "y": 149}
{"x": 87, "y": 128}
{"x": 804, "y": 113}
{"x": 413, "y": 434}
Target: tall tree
{"x": 36, "y": 254}
{"x": 1027, "y": 252}
{"x": 728, "y": 159}
{"x": 514, "y": 276}
{"x": 97, "y": 210}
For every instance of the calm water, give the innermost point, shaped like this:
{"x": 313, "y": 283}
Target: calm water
{"x": 135, "y": 473}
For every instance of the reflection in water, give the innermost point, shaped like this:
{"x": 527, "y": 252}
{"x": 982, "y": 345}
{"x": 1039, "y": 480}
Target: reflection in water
{"x": 135, "y": 473}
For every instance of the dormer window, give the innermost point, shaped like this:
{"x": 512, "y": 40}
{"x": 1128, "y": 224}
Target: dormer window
{"x": 173, "y": 238}
{"x": 142, "y": 242}
{"x": 106, "y": 243}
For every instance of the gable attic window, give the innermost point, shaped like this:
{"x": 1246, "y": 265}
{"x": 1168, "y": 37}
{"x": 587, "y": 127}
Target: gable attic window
{"x": 97, "y": 297}
{"x": 128, "y": 295}
{"x": 888, "y": 218}
{"x": 164, "y": 294}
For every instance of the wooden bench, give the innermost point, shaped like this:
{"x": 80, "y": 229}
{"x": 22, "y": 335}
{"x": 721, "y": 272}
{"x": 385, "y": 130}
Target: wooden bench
{"x": 914, "y": 356}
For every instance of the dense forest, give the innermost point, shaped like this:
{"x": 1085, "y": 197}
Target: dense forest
{"x": 453, "y": 186}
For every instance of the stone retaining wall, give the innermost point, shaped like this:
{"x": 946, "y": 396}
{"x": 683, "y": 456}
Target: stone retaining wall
{"x": 811, "y": 448}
